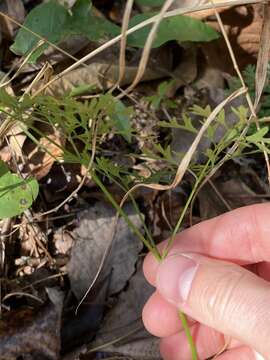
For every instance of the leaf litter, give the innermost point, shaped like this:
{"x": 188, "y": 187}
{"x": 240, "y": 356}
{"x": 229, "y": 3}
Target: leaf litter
{"x": 68, "y": 246}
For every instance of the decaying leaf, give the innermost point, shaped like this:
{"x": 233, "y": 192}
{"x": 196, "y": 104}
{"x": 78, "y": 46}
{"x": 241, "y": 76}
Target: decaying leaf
{"x": 42, "y": 158}
{"x": 32, "y": 333}
{"x": 100, "y": 76}
{"x": 242, "y": 189}
{"x": 243, "y": 25}
{"x": 15, "y": 10}
{"x": 92, "y": 237}
{"x": 125, "y": 319}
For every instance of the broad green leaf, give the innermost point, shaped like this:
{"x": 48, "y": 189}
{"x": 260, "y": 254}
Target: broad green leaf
{"x": 152, "y": 3}
{"x": 180, "y": 28}
{"x": 84, "y": 22}
{"x": 54, "y": 23}
{"x": 47, "y": 20}
{"x": 16, "y": 194}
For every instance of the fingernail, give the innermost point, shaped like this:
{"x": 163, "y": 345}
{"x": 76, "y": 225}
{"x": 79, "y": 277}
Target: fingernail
{"x": 258, "y": 356}
{"x": 174, "y": 278}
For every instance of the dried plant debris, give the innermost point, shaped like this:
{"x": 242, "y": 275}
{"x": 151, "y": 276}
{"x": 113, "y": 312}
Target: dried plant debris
{"x": 241, "y": 188}
{"x": 32, "y": 333}
{"x": 123, "y": 322}
{"x": 91, "y": 239}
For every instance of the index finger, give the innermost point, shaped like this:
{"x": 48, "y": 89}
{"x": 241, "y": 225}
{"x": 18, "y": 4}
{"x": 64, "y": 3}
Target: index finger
{"x": 241, "y": 236}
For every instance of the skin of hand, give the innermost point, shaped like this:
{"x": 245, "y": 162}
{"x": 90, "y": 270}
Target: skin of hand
{"x": 217, "y": 272}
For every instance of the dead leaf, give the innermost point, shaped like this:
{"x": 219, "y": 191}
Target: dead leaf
{"x": 32, "y": 333}
{"x": 243, "y": 25}
{"x": 14, "y": 9}
{"x": 103, "y": 71}
{"x": 63, "y": 241}
{"x": 242, "y": 189}
{"x": 92, "y": 237}
{"x": 99, "y": 75}
{"x": 186, "y": 72}
{"x": 125, "y": 318}
{"x": 42, "y": 158}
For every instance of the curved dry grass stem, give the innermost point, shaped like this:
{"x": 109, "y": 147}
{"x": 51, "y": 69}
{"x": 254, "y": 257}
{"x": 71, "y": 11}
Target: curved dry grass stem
{"x": 260, "y": 81}
{"x": 263, "y": 55}
{"x": 87, "y": 171}
{"x": 20, "y": 293}
{"x": 148, "y": 45}
{"x": 188, "y": 156}
{"x": 123, "y": 43}
{"x": 115, "y": 341}
{"x": 25, "y": 60}
{"x": 181, "y": 11}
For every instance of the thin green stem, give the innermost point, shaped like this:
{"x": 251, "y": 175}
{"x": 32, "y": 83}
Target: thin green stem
{"x": 147, "y": 232}
{"x": 183, "y": 213}
{"x": 183, "y": 318}
{"x": 109, "y": 196}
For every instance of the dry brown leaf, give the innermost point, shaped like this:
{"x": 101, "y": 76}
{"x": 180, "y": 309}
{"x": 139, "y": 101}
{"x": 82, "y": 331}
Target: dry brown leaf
{"x": 99, "y": 75}
{"x": 186, "y": 72}
{"x": 243, "y": 25}
{"x": 263, "y": 56}
{"x": 41, "y": 161}
{"x": 91, "y": 240}
{"x": 15, "y": 9}
{"x": 5, "y": 154}
{"x": 124, "y": 321}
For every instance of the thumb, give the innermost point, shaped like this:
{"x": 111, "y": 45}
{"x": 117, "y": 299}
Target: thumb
{"x": 219, "y": 294}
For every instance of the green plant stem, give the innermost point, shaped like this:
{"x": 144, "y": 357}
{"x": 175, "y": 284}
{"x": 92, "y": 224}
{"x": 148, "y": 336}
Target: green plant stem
{"x": 147, "y": 232}
{"x": 183, "y": 213}
{"x": 183, "y": 318}
{"x": 152, "y": 249}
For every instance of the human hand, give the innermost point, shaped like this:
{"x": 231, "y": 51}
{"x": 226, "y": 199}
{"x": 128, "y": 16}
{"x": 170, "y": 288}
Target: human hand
{"x": 217, "y": 272}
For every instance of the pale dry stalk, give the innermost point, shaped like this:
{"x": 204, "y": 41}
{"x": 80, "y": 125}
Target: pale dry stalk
{"x": 261, "y": 65}
{"x": 180, "y": 11}
{"x": 123, "y": 43}
{"x": 148, "y": 45}
{"x": 183, "y": 166}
